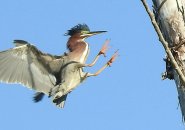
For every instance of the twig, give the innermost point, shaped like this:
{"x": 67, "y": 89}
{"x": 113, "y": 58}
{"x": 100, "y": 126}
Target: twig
{"x": 180, "y": 44}
{"x": 164, "y": 43}
{"x": 181, "y": 10}
{"x": 160, "y": 6}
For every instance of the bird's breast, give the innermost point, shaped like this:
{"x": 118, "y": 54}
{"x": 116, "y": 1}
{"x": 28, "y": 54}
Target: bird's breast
{"x": 85, "y": 53}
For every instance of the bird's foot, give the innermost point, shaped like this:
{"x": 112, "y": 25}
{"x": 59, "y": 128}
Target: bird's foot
{"x": 104, "y": 48}
{"x": 113, "y": 58}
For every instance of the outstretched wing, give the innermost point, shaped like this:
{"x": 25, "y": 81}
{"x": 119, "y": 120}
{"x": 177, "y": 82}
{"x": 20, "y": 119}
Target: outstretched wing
{"x": 26, "y": 65}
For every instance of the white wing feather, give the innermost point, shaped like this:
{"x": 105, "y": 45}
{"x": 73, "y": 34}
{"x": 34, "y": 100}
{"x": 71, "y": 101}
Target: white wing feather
{"x": 23, "y": 65}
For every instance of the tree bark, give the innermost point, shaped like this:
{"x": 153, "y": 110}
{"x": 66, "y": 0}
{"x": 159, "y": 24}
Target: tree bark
{"x": 170, "y": 17}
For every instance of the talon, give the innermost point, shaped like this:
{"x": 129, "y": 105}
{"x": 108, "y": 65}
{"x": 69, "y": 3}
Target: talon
{"x": 113, "y": 58}
{"x": 104, "y": 48}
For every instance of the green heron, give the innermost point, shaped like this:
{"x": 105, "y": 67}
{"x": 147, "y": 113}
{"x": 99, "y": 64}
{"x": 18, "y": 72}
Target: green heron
{"x": 55, "y": 76}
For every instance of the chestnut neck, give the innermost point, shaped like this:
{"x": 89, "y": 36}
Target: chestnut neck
{"x": 78, "y": 49}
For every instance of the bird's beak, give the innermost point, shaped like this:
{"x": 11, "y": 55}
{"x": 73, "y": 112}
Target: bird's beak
{"x": 93, "y": 33}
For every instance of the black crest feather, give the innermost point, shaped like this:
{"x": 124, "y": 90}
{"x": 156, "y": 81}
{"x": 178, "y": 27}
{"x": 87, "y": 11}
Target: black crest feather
{"x": 77, "y": 29}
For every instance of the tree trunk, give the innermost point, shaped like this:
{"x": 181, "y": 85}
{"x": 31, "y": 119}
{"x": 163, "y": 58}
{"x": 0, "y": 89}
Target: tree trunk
{"x": 170, "y": 17}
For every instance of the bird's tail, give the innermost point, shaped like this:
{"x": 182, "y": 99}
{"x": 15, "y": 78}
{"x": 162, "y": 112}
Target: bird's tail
{"x": 60, "y": 102}
{"x": 38, "y": 96}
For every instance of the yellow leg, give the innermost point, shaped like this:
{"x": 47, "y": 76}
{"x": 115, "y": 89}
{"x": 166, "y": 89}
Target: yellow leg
{"x": 102, "y": 52}
{"x": 112, "y": 59}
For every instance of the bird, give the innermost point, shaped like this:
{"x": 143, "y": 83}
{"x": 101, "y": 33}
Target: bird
{"x": 52, "y": 75}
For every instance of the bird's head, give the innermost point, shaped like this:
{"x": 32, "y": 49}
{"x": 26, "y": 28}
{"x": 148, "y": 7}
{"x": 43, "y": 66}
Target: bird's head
{"x": 82, "y": 31}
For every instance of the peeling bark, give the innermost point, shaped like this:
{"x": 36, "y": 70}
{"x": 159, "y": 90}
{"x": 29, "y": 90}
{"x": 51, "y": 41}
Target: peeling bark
{"x": 170, "y": 18}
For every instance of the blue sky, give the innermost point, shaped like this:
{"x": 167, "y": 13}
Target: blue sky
{"x": 130, "y": 95}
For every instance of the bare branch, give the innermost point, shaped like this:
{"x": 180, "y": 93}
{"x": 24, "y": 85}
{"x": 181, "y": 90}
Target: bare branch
{"x": 164, "y": 43}
{"x": 161, "y": 5}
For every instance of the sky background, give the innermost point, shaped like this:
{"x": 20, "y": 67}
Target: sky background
{"x": 130, "y": 95}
